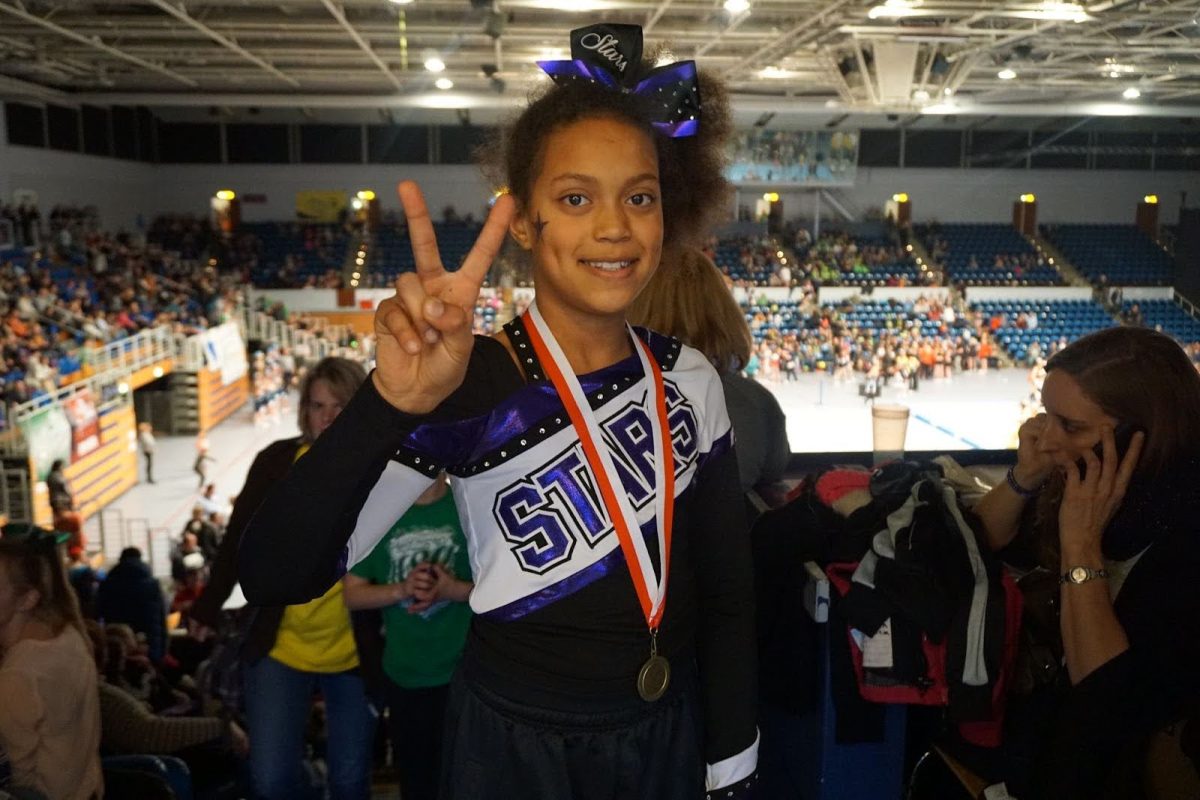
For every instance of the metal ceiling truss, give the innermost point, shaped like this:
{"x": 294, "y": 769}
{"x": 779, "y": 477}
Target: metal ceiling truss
{"x": 811, "y": 53}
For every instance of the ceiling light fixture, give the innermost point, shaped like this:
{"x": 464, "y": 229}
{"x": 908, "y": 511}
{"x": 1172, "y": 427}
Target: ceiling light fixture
{"x": 401, "y": 2}
{"x": 1132, "y": 93}
{"x": 736, "y": 7}
{"x": 1006, "y": 74}
{"x": 1049, "y": 11}
{"x": 894, "y": 9}
{"x": 434, "y": 64}
{"x": 921, "y": 96}
{"x": 444, "y": 83}
{"x": 577, "y": 6}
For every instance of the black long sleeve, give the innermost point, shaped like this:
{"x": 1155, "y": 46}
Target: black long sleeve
{"x": 1142, "y": 689}
{"x": 305, "y": 519}
{"x": 269, "y": 466}
{"x": 725, "y": 640}
{"x": 308, "y": 516}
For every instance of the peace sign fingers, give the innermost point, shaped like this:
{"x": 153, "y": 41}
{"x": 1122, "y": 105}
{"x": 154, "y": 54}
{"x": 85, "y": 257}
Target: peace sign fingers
{"x": 483, "y": 253}
{"x": 420, "y": 231}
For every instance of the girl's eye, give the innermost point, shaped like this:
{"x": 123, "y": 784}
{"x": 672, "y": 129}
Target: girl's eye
{"x": 575, "y": 200}
{"x": 642, "y": 199}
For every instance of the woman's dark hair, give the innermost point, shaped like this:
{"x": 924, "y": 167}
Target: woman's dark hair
{"x": 691, "y": 168}
{"x": 57, "y": 465}
{"x": 1142, "y": 377}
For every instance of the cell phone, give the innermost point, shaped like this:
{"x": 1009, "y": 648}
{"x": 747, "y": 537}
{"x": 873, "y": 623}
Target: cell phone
{"x": 1122, "y": 436}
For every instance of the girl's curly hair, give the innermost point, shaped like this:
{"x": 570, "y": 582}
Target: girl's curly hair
{"x": 695, "y": 192}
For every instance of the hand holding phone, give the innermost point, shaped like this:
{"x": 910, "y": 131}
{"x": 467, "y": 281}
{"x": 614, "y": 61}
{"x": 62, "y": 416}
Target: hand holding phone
{"x": 1122, "y": 436}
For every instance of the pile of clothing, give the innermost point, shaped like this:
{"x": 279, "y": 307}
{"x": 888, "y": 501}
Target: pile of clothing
{"x": 930, "y": 615}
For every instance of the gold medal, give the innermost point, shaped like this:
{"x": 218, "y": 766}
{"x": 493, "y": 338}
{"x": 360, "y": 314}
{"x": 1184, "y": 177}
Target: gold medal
{"x": 655, "y": 675}
{"x": 654, "y": 678}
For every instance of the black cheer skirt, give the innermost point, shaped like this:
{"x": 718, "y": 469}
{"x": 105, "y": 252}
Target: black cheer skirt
{"x": 503, "y": 748}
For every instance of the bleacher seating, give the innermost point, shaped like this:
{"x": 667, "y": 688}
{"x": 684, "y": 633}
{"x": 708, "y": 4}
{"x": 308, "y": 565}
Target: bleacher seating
{"x": 790, "y": 319}
{"x": 984, "y": 243}
{"x": 873, "y": 317}
{"x": 1169, "y": 317}
{"x": 391, "y": 252}
{"x": 311, "y": 254}
{"x": 866, "y": 273}
{"x": 1122, "y": 253}
{"x": 1056, "y": 320}
{"x": 728, "y": 259}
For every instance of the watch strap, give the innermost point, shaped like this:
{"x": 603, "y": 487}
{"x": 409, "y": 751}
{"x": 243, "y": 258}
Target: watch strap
{"x": 1086, "y": 574}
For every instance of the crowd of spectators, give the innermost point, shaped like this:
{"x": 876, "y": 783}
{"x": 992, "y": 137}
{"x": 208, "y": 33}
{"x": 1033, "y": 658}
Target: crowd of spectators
{"x": 154, "y": 716}
{"x": 796, "y": 259}
{"x": 750, "y": 260}
{"x": 836, "y": 257}
{"x": 85, "y": 288}
{"x": 920, "y": 340}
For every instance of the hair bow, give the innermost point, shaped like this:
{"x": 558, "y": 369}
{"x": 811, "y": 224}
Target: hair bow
{"x": 611, "y": 56}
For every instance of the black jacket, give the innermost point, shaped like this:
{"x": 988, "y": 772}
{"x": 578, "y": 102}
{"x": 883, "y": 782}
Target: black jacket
{"x": 131, "y": 595}
{"x": 269, "y": 467}
{"x": 1115, "y": 708}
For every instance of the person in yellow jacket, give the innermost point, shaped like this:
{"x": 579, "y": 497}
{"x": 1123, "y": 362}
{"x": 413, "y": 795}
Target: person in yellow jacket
{"x": 292, "y": 653}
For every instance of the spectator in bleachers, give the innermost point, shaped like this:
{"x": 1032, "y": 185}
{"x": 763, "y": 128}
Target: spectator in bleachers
{"x": 687, "y": 298}
{"x": 49, "y": 710}
{"x": 207, "y": 747}
{"x": 130, "y": 594}
{"x": 1123, "y": 537}
{"x": 292, "y": 651}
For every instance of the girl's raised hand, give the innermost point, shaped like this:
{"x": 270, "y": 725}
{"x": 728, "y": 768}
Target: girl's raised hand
{"x": 423, "y": 332}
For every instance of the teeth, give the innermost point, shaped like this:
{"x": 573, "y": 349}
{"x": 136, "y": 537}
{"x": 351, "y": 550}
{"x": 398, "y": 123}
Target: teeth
{"x": 608, "y": 266}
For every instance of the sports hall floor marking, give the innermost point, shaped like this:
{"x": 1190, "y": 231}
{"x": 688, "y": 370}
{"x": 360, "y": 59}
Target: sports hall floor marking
{"x": 947, "y": 431}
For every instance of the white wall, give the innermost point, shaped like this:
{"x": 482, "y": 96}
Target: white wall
{"x": 119, "y": 189}
{"x": 188, "y": 187}
{"x": 984, "y": 195}
{"x": 122, "y": 189}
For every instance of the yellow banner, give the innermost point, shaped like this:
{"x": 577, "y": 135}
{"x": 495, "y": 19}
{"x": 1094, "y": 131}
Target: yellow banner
{"x": 321, "y": 205}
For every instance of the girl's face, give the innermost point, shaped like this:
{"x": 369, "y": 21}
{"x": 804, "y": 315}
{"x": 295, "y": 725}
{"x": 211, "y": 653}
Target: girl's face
{"x": 594, "y": 222}
{"x": 1074, "y": 423}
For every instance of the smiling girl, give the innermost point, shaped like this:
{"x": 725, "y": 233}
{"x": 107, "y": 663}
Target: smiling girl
{"x": 611, "y": 654}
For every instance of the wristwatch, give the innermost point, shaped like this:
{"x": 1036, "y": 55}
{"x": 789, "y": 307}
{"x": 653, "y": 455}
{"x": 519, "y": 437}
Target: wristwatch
{"x": 1078, "y": 575}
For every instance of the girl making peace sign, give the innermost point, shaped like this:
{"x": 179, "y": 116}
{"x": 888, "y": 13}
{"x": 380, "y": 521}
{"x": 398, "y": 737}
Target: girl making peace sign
{"x": 611, "y": 654}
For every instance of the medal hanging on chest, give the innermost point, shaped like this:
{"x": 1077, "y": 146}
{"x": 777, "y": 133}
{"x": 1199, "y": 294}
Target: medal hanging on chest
{"x": 655, "y": 674}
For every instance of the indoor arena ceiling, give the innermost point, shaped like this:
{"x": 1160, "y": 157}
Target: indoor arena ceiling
{"x": 839, "y": 57}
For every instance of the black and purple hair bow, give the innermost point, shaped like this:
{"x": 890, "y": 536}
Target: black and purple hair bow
{"x": 611, "y": 56}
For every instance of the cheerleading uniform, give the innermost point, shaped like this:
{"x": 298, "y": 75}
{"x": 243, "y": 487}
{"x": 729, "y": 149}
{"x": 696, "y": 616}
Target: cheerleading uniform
{"x": 557, "y": 627}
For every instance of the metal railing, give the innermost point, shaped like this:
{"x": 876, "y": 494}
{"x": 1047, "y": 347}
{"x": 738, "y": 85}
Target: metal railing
{"x": 258, "y": 325}
{"x": 111, "y": 364}
{"x": 1186, "y": 304}
{"x": 132, "y": 353}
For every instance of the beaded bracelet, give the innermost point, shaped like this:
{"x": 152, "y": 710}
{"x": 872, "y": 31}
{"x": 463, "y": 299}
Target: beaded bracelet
{"x": 1018, "y": 488}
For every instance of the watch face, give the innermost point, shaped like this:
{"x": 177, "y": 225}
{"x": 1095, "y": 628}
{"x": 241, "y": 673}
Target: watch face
{"x": 1079, "y": 574}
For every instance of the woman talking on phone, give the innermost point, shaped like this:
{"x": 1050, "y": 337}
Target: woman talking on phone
{"x": 1105, "y": 483}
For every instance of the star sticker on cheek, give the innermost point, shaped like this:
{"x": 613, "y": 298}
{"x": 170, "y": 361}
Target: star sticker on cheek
{"x": 539, "y": 225}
